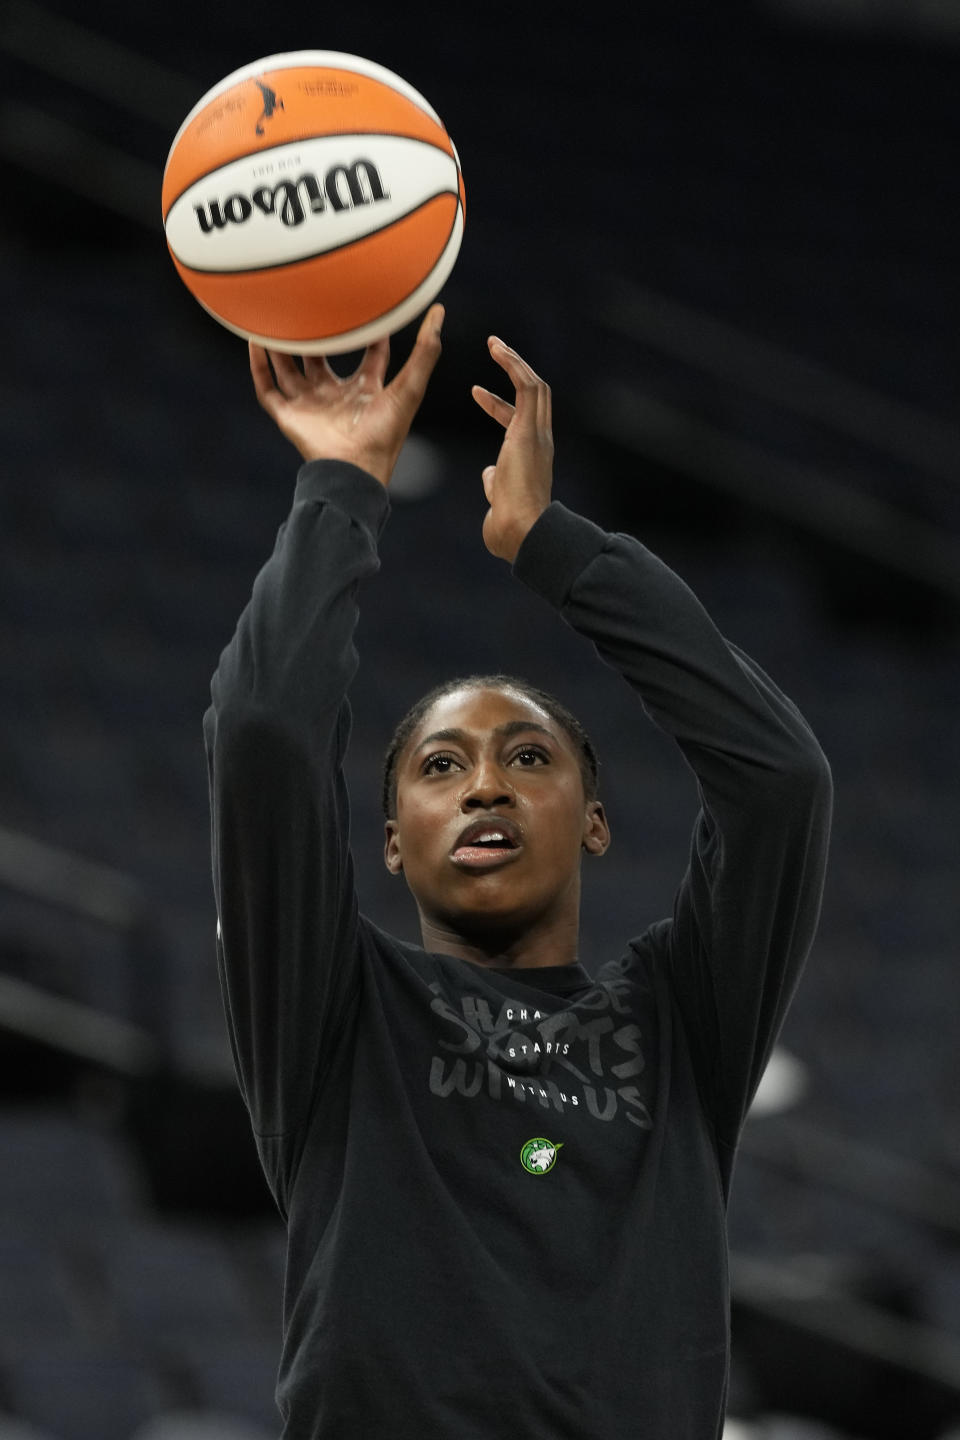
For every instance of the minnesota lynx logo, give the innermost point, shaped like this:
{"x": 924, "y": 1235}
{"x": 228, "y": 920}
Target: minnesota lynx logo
{"x": 539, "y": 1155}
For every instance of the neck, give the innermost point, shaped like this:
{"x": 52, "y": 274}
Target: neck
{"x": 553, "y": 944}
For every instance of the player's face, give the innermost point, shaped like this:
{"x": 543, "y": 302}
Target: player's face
{"x": 492, "y": 818}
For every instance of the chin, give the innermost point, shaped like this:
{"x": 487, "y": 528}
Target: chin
{"x": 487, "y": 924}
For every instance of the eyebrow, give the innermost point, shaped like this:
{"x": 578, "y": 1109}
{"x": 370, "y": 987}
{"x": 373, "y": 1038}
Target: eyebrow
{"x": 505, "y": 731}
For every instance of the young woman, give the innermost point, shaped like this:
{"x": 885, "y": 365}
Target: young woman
{"x": 504, "y": 1182}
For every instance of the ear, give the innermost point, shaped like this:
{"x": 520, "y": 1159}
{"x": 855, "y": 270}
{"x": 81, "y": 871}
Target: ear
{"x": 391, "y": 848}
{"x": 596, "y": 831}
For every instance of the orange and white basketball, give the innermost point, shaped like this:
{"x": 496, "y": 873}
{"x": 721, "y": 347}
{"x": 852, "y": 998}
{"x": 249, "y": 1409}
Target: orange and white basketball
{"x": 313, "y": 202}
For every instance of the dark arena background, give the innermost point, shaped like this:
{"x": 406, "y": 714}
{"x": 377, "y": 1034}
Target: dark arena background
{"x": 727, "y": 234}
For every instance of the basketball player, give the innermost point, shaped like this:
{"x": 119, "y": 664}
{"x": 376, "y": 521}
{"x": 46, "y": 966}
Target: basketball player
{"x": 504, "y": 1181}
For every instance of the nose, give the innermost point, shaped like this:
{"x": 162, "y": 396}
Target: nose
{"x": 487, "y": 786}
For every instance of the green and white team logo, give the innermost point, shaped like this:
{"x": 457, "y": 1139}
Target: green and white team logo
{"x": 539, "y": 1155}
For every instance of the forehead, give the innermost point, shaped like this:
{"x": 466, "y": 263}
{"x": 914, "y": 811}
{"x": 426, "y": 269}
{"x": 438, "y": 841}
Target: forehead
{"x": 477, "y": 712}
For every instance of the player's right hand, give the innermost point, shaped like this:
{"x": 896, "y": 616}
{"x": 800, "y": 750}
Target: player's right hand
{"x": 357, "y": 418}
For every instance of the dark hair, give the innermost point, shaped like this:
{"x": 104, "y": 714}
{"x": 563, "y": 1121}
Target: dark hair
{"x": 586, "y": 753}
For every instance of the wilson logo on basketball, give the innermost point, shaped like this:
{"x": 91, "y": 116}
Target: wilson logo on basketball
{"x": 343, "y": 187}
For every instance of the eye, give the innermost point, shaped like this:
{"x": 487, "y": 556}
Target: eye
{"x": 439, "y": 764}
{"x": 528, "y": 756}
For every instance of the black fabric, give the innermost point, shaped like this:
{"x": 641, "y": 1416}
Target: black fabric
{"x": 436, "y": 1285}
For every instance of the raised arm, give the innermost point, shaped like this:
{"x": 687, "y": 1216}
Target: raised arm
{"x": 746, "y": 911}
{"x": 278, "y": 726}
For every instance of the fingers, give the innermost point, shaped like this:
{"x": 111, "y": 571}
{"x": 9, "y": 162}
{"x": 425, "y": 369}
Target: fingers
{"x": 261, "y": 372}
{"x": 272, "y": 378}
{"x": 368, "y": 375}
{"x": 432, "y": 323}
{"x": 496, "y": 408}
{"x": 317, "y": 369}
{"x": 410, "y": 383}
{"x": 533, "y": 394}
{"x": 276, "y": 369}
{"x": 373, "y": 366}
{"x": 289, "y": 377}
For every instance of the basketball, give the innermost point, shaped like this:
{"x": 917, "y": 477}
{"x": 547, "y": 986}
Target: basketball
{"x": 313, "y": 202}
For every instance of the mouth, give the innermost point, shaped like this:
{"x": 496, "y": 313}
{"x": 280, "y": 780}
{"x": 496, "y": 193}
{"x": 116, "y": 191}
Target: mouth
{"x": 485, "y": 844}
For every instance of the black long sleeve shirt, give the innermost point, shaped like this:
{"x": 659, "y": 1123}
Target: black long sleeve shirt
{"x": 505, "y": 1191}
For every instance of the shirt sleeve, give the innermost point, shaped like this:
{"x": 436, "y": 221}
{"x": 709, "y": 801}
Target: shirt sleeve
{"x": 276, "y": 734}
{"x": 747, "y": 908}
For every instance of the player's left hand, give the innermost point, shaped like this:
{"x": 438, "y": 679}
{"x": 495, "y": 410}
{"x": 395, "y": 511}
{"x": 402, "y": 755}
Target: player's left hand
{"x": 518, "y": 486}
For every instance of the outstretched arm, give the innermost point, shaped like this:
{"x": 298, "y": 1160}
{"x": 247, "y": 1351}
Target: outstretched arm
{"x": 277, "y": 730}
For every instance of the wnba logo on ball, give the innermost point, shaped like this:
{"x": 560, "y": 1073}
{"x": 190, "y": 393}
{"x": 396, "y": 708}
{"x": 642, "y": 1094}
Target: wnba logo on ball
{"x": 343, "y": 187}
